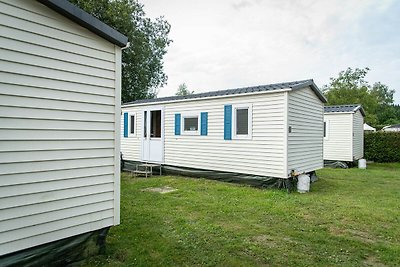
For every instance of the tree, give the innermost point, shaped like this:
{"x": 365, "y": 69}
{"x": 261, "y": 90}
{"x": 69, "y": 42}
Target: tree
{"x": 350, "y": 87}
{"x": 183, "y": 90}
{"x": 383, "y": 94}
{"x": 142, "y": 61}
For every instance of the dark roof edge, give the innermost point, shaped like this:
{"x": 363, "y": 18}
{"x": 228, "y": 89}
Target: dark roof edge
{"x": 356, "y": 107}
{"x": 314, "y": 87}
{"x": 86, "y": 20}
{"x": 359, "y": 107}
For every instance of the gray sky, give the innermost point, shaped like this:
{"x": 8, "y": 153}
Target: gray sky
{"x": 234, "y": 43}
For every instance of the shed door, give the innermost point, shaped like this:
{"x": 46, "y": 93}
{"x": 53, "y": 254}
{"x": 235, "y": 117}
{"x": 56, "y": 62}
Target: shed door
{"x": 153, "y": 135}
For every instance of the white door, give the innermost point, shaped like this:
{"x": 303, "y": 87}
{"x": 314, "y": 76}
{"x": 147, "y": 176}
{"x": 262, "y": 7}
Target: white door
{"x": 153, "y": 135}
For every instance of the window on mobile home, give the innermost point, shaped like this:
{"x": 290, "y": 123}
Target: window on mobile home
{"x": 242, "y": 121}
{"x": 191, "y": 123}
{"x": 132, "y": 124}
{"x": 155, "y": 123}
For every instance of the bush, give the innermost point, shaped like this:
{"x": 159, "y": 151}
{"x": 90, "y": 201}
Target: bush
{"x": 382, "y": 146}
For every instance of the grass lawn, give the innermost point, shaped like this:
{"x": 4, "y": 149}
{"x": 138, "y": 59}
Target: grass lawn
{"x": 350, "y": 218}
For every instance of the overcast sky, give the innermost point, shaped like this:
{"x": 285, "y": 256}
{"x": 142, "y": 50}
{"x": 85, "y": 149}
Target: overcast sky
{"x": 234, "y": 43}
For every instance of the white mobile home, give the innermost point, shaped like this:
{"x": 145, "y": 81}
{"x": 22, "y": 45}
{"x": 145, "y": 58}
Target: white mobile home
{"x": 60, "y": 75}
{"x": 268, "y": 130}
{"x": 343, "y": 133}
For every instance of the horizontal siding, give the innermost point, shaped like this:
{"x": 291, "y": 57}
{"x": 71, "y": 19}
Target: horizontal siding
{"x": 305, "y": 144}
{"x": 338, "y": 143}
{"x": 88, "y": 208}
{"x": 52, "y": 226}
{"x": 59, "y": 205}
{"x": 131, "y": 146}
{"x": 29, "y": 81}
{"x": 57, "y": 130}
{"x": 8, "y": 89}
{"x": 358, "y": 135}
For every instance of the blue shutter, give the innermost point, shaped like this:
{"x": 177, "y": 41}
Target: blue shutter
{"x": 177, "y": 124}
{"x": 203, "y": 123}
{"x": 125, "y": 124}
{"x": 228, "y": 122}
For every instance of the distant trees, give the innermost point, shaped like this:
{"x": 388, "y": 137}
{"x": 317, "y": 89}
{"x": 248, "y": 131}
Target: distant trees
{"x": 183, "y": 90}
{"x": 350, "y": 87}
{"x": 142, "y": 62}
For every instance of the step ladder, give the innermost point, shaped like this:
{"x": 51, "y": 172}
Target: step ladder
{"x": 145, "y": 169}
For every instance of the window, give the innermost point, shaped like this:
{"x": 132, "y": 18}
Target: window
{"x": 155, "y": 124}
{"x": 326, "y": 130}
{"x": 191, "y": 124}
{"x": 145, "y": 124}
{"x": 242, "y": 122}
{"x": 131, "y": 124}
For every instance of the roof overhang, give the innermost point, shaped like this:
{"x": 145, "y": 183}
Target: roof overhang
{"x": 203, "y": 98}
{"x": 86, "y": 20}
{"x": 314, "y": 87}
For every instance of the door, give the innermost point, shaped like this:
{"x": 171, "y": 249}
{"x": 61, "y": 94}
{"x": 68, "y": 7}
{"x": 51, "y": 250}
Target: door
{"x": 153, "y": 135}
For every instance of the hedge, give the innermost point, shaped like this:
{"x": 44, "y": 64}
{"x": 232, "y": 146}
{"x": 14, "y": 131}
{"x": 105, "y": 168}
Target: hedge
{"x": 382, "y": 146}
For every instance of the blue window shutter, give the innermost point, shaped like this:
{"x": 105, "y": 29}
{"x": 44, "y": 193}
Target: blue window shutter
{"x": 125, "y": 124}
{"x": 177, "y": 124}
{"x": 228, "y": 122}
{"x": 204, "y": 123}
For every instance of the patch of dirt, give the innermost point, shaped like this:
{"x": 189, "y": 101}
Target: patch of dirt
{"x": 161, "y": 190}
{"x": 270, "y": 241}
{"x": 373, "y": 261}
{"x": 360, "y": 235}
{"x": 355, "y": 234}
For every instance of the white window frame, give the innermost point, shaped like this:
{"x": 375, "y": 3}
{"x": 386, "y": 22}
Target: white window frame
{"x": 249, "y": 134}
{"x": 326, "y": 137}
{"x": 129, "y": 124}
{"x": 190, "y": 115}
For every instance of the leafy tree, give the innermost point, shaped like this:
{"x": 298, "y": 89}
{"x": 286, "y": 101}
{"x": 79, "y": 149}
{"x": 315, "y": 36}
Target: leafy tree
{"x": 350, "y": 87}
{"x": 183, "y": 90}
{"x": 142, "y": 61}
{"x": 383, "y": 94}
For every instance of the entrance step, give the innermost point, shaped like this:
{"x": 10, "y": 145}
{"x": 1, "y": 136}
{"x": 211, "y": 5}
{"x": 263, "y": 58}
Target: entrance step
{"x": 146, "y": 169}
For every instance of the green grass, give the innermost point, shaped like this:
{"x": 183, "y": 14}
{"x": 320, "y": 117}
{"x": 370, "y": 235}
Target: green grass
{"x": 350, "y": 218}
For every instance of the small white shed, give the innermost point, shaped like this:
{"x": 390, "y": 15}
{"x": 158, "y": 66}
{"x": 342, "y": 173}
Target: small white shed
{"x": 60, "y": 72}
{"x": 369, "y": 128}
{"x": 266, "y": 130}
{"x": 344, "y": 133}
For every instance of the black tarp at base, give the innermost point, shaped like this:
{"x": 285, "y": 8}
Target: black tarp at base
{"x": 65, "y": 252}
{"x": 231, "y": 177}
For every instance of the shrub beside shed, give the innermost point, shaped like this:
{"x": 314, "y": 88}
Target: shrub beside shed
{"x": 60, "y": 81}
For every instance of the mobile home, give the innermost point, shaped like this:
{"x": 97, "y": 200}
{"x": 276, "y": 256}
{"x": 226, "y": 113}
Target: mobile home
{"x": 267, "y": 131}
{"x": 343, "y": 133}
{"x": 59, "y": 128}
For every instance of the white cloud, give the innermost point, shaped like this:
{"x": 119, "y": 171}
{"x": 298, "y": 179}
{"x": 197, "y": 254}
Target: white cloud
{"x": 227, "y": 44}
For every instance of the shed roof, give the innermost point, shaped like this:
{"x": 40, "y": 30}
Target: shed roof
{"x": 238, "y": 91}
{"x": 352, "y": 108}
{"x": 86, "y": 20}
{"x": 394, "y": 126}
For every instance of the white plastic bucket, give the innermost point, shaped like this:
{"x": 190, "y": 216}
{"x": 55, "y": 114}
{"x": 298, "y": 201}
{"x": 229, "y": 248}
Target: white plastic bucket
{"x": 362, "y": 164}
{"x": 303, "y": 183}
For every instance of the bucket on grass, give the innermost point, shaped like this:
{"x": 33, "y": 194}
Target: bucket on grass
{"x": 303, "y": 183}
{"x": 362, "y": 164}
